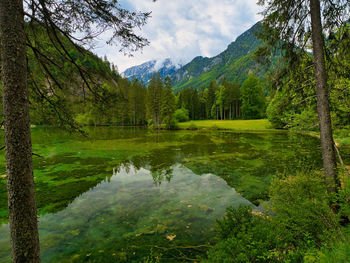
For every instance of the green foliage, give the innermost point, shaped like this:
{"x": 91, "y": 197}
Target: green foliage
{"x": 168, "y": 105}
{"x": 220, "y": 102}
{"x": 298, "y": 220}
{"x": 85, "y": 119}
{"x": 253, "y": 99}
{"x": 181, "y": 115}
{"x": 60, "y": 96}
{"x": 301, "y": 208}
{"x": 172, "y": 124}
{"x": 292, "y": 87}
{"x": 161, "y": 103}
{"x": 338, "y": 252}
{"x": 244, "y": 237}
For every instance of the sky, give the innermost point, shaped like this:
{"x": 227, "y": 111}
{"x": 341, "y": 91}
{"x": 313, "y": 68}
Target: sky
{"x": 184, "y": 29}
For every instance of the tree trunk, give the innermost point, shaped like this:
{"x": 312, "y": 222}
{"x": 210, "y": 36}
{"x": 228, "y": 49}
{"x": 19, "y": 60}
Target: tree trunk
{"x": 237, "y": 108}
{"x": 19, "y": 169}
{"x": 327, "y": 143}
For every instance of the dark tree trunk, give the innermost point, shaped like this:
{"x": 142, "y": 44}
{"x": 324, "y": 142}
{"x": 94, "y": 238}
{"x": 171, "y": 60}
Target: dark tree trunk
{"x": 237, "y": 109}
{"x": 20, "y": 182}
{"x": 327, "y": 143}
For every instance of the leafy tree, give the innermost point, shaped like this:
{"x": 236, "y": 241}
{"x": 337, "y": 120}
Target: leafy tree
{"x": 253, "y": 98}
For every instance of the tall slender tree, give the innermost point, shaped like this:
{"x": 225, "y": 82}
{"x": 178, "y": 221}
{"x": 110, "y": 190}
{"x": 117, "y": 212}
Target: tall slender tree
{"x": 60, "y": 19}
{"x": 288, "y": 26}
{"x": 19, "y": 168}
{"x": 327, "y": 143}
{"x": 168, "y": 103}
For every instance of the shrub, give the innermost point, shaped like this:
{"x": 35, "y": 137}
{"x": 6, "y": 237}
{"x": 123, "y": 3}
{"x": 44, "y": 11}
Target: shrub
{"x": 298, "y": 220}
{"x": 171, "y": 124}
{"x": 338, "y": 252}
{"x": 244, "y": 237}
{"x": 181, "y": 115}
{"x": 302, "y": 212}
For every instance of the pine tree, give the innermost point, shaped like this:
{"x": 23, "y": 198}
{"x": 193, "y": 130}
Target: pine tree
{"x": 211, "y": 99}
{"x": 168, "y": 104}
{"x": 151, "y": 97}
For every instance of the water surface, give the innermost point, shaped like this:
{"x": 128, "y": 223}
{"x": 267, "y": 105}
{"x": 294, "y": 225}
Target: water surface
{"x": 131, "y": 195}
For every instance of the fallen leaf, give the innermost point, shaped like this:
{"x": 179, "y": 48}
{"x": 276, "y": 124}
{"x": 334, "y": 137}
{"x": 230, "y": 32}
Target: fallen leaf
{"x": 171, "y": 237}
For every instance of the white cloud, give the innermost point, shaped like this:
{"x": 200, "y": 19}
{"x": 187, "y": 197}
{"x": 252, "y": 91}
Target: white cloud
{"x": 183, "y": 29}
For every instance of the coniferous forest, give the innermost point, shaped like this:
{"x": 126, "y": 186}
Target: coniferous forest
{"x": 242, "y": 155}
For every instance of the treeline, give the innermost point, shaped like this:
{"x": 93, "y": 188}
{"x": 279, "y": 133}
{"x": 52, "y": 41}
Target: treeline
{"x": 121, "y": 103}
{"x": 132, "y": 103}
{"x": 60, "y": 95}
{"x": 224, "y": 101}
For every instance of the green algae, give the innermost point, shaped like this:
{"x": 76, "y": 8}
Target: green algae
{"x": 116, "y": 195}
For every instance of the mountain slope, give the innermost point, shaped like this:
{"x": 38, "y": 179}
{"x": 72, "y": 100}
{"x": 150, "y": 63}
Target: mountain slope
{"x": 235, "y": 62}
{"x": 145, "y": 71}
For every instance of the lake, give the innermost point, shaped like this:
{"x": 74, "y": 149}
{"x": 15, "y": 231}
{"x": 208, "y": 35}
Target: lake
{"x": 138, "y": 195}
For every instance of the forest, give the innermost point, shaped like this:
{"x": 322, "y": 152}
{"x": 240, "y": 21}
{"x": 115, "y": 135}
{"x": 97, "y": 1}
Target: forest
{"x": 240, "y": 157}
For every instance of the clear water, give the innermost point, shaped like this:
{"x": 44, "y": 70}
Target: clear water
{"x": 135, "y": 195}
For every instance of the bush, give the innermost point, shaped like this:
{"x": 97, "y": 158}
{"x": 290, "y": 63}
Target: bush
{"x": 244, "y": 237}
{"x": 181, "y": 115}
{"x": 302, "y": 210}
{"x": 338, "y": 252}
{"x": 171, "y": 124}
{"x": 85, "y": 119}
{"x": 298, "y": 220}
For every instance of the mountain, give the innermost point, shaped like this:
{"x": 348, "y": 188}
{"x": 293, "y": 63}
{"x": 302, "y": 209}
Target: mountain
{"x": 145, "y": 71}
{"x": 237, "y": 61}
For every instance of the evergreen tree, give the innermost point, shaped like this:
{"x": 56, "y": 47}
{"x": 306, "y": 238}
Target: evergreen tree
{"x": 211, "y": 100}
{"x": 168, "y": 104}
{"x": 154, "y": 100}
{"x": 151, "y": 97}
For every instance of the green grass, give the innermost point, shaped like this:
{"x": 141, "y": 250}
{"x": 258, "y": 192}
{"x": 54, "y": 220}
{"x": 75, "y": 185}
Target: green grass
{"x": 228, "y": 124}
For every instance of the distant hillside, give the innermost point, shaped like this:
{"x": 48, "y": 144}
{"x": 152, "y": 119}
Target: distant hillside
{"x": 235, "y": 62}
{"x": 145, "y": 71}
